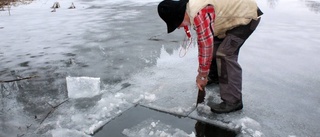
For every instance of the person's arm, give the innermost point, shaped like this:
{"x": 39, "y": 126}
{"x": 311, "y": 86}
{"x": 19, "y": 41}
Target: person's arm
{"x": 204, "y": 26}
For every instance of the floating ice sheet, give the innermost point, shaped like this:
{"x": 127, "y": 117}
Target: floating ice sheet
{"x": 155, "y": 128}
{"x": 85, "y": 115}
{"x": 87, "y": 109}
{"x": 236, "y": 121}
{"x": 172, "y": 98}
{"x": 245, "y": 126}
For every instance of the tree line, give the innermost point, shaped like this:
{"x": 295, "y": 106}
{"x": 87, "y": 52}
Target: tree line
{"x": 7, "y": 4}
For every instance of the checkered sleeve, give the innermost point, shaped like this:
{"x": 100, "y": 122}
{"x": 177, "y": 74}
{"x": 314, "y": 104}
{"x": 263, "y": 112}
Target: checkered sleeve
{"x": 204, "y": 26}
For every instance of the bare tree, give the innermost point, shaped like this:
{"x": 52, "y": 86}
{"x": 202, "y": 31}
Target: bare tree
{"x": 9, "y": 3}
{"x": 4, "y": 4}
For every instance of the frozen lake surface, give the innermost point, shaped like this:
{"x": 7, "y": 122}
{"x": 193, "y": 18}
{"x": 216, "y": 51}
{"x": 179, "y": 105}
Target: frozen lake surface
{"x": 109, "y": 68}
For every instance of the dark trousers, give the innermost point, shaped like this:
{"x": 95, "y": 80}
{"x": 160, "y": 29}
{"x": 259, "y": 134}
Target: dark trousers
{"x": 225, "y": 64}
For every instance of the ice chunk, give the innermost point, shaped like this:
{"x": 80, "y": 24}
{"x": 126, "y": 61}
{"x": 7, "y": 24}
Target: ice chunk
{"x": 80, "y": 87}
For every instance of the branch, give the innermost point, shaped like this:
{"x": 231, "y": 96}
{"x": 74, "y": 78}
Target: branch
{"x": 52, "y": 110}
{"x": 6, "y": 81}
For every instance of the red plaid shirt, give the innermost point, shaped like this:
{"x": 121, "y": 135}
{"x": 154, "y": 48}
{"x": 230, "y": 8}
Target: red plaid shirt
{"x": 204, "y": 26}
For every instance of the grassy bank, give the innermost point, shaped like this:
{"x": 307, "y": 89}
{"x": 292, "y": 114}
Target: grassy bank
{"x": 7, "y": 4}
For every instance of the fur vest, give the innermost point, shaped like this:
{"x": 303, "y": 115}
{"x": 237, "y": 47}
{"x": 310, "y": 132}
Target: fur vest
{"x": 228, "y": 13}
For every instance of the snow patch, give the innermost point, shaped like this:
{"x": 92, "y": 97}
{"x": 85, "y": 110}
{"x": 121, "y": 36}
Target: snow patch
{"x": 204, "y": 109}
{"x": 249, "y": 126}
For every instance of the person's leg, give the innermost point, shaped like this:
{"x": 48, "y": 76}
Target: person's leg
{"x": 229, "y": 70}
{"x": 213, "y": 75}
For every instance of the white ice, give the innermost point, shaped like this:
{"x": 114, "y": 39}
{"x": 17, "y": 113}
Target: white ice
{"x": 81, "y": 87}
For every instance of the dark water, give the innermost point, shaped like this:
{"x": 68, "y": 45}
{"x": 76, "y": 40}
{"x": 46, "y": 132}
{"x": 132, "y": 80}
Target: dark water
{"x": 136, "y": 115}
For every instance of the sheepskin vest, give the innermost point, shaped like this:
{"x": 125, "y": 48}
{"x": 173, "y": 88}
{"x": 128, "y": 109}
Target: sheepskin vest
{"x": 229, "y": 13}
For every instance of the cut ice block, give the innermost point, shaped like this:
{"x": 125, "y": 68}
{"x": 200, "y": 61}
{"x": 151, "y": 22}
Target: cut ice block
{"x": 80, "y": 87}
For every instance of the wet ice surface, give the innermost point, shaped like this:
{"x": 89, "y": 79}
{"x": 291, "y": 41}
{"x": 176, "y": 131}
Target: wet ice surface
{"x": 123, "y": 44}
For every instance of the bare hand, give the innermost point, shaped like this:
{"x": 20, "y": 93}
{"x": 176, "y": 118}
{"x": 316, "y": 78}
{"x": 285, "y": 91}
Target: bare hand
{"x": 201, "y": 81}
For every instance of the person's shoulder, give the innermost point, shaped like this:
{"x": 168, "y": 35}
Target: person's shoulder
{"x": 208, "y": 9}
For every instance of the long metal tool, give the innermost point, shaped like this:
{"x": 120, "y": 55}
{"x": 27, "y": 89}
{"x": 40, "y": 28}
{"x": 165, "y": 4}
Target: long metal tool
{"x": 201, "y": 95}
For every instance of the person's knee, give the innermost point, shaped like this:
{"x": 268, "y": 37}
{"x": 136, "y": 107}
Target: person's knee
{"x": 221, "y": 54}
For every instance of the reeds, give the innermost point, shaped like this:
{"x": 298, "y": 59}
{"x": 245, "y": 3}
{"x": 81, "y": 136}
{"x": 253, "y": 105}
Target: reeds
{"x": 7, "y": 4}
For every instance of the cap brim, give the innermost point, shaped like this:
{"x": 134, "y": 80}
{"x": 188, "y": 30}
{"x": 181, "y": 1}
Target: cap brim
{"x": 171, "y": 28}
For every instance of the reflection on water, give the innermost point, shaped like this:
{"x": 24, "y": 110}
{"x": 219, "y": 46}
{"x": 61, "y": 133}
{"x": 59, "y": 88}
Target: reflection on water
{"x": 208, "y": 130}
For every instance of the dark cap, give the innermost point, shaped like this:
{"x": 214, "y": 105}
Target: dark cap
{"x": 172, "y": 12}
